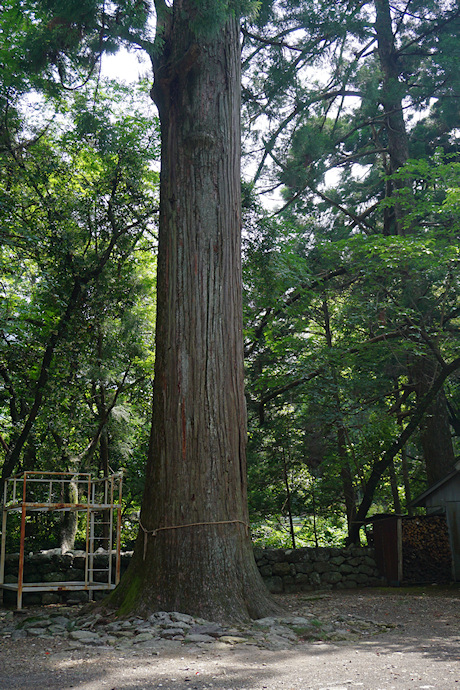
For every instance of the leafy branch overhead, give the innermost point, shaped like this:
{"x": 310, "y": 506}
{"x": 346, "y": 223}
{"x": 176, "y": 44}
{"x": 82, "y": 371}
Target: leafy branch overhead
{"x": 78, "y": 207}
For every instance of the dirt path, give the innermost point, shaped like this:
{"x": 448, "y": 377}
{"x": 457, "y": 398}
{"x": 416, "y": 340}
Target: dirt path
{"x": 422, "y": 651}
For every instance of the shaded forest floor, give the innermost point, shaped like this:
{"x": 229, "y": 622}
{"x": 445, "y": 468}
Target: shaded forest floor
{"x": 417, "y": 645}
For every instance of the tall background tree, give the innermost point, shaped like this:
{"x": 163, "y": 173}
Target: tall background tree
{"x": 354, "y": 91}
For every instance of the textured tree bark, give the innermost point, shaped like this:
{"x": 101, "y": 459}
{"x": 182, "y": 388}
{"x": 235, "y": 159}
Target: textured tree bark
{"x": 406, "y": 477}
{"x": 200, "y": 559}
{"x": 69, "y": 522}
{"x": 394, "y": 488}
{"x": 392, "y": 95}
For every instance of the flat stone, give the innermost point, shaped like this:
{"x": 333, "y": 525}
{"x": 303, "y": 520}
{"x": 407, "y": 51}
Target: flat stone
{"x": 197, "y": 637}
{"x": 37, "y": 623}
{"x": 151, "y": 645}
{"x": 124, "y": 642}
{"x": 84, "y": 636}
{"x": 213, "y": 629}
{"x": 160, "y": 617}
{"x": 300, "y": 621}
{"x": 282, "y": 631}
{"x": 168, "y": 645}
{"x": 57, "y": 629}
{"x": 276, "y": 642}
{"x": 18, "y": 634}
{"x": 144, "y": 627}
{"x": 36, "y": 632}
{"x": 60, "y": 620}
{"x": 181, "y": 618}
{"x": 142, "y": 637}
{"x": 340, "y": 636}
{"x": 231, "y": 639}
{"x": 171, "y": 633}
{"x": 265, "y": 622}
{"x": 218, "y": 645}
{"x": 7, "y": 629}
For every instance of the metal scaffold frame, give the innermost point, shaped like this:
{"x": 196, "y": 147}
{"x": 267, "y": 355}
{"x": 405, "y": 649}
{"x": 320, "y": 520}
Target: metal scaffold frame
{"x": 99, "y": 499}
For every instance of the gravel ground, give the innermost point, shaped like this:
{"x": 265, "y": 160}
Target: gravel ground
{"x": 421, "y": 651}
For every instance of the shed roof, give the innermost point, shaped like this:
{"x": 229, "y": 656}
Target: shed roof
{"x": 420, "y": 500}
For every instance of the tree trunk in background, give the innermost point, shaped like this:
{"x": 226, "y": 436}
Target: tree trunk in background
{"x": 392, "y": 95}
{"x": 200, "y": 560}
{"x": 406, "y": 477}
{"x": 436, "y": 440}
{"x": 348, "y": 488}
{"x": 346, "y": 475}
{"x": 394, "y": 488}
{"x": 435, "y": 432}
{"x": 104, "y": 463}
{"x": 288, "y": 498}
{"x": 69, "y": 522}
{"x": 104, "y": 454}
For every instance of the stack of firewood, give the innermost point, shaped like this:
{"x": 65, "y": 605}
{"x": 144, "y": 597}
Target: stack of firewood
{"x": 426, "y": 550}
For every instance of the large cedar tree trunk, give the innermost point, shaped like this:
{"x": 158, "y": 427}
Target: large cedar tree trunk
{"x": 196, "y": 472}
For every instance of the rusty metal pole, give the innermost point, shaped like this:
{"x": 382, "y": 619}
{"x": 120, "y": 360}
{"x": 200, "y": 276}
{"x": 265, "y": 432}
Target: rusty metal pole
{"x": 21, "y": 546}
{"x": 109, "y": 512}
{"x": 87, "y": 532}
{"x": 3, "y": 546}
{"x": 118, "y": 566}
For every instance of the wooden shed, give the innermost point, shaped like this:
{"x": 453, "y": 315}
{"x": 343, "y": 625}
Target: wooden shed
{"x": 387, "y": 542}
{"x": 412, "y": 550}
{"x": 443, "y": 498}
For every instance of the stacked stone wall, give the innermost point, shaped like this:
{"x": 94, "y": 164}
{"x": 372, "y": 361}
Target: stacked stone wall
{"x": 53, "y": 566}
{"x": 303, "y": 570}
{"x": 283, "y": 570}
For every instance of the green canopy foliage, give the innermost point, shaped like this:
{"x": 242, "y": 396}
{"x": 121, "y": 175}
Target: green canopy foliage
{"x": 78, "y": 203}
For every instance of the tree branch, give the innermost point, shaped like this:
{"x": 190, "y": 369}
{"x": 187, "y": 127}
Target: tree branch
{"x": 288, "y": 301}
{"x": 304, "y": 379}
{"x": 386, "y": 459}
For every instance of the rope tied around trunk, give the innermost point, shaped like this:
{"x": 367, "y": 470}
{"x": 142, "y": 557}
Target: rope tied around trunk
{"x": 154, "y": 532}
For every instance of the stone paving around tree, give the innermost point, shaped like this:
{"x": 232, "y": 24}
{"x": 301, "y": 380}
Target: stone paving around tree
{"x": 175, "y": 629}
